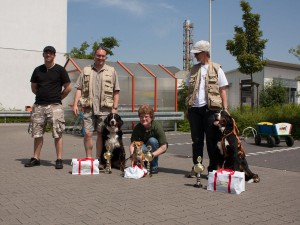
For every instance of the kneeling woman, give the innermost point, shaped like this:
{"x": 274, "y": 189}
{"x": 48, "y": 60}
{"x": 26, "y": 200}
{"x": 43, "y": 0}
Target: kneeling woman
{"x": 151, "y": 133}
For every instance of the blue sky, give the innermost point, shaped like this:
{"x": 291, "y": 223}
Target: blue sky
{"x": 151, "y": 31}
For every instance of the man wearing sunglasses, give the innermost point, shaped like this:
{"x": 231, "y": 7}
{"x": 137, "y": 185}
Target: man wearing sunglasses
{"x": 207, "y": 86}
{"x": 98, "y": 94}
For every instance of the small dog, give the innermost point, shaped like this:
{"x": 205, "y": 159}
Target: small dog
{"x": 112, "y": 139}
{"x": 231, "y": 148}
{"x": 138, "y": 156}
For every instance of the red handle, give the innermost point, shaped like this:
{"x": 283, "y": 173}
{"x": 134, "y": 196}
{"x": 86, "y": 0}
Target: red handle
{"x": 85, "y": 159}
{"x": 229, "y": 179}
{"x": 231, "y": 172}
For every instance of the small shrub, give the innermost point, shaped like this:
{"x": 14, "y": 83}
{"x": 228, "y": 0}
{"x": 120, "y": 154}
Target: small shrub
{"x": 183, "y": 126}
{"x": 274, "y": 93}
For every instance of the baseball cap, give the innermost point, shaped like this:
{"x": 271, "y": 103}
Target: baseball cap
{"x": 201, "y": 46}
{"x": 49, "y": 49}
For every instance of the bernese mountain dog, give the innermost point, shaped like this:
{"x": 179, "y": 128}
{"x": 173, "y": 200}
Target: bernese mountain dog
{"x": 231, "y": 148}
{"x": 112, "y": 139}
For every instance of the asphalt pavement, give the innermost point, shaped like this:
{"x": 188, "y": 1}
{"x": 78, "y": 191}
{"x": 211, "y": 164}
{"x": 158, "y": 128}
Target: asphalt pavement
{"x": 44, "y": 195}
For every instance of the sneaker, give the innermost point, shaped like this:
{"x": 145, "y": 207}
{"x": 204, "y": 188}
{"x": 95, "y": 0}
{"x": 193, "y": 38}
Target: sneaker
{"x": 33, "y": 162}
{"x": 191, "y": 174}
{"x": 58, "y": 164}
{"x": 154, "y": 170}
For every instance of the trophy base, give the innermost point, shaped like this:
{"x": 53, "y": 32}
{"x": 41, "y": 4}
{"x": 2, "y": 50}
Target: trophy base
{"x": 148, "y": 175}
{"x": 198, "y": 185}
{"x": 108, "y": 171}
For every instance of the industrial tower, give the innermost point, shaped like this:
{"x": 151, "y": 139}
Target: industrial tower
{"x": 187, "y": 44}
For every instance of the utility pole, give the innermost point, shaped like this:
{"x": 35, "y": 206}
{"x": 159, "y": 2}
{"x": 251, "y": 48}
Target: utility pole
{"x": 210, "y": 48}
{"x": 187, "y": 44}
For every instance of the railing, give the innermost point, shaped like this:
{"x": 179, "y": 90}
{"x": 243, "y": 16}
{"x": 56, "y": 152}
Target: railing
{"x": 6, "y": 114}
{"x": 126, "y": 116}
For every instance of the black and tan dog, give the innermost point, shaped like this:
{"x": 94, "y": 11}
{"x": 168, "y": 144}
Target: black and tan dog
{"x": 231, "y": 148}
{"x": 112, "y": 139}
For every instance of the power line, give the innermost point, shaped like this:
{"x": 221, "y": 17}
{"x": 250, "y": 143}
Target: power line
{"x": 26, "y": 50}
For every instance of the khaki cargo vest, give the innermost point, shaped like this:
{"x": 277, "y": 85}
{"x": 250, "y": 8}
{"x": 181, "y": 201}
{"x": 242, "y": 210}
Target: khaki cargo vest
{"x": 214, "y": 100}
{"x": 86, "y": 99}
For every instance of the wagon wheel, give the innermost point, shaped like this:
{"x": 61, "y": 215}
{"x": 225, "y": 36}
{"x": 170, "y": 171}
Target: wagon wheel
{"x": 271, "y": 141}
{"x": 289, "y": 141}
{"x": 277, "y": 140}
{"x": 257, "y": 139}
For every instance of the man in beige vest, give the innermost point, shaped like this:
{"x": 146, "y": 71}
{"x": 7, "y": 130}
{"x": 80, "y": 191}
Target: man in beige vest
{"x": 206, "y": 95}
{"x": 98, "y": 94}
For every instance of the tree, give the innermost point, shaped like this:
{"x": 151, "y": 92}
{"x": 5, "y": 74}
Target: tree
{"x": 295, "y": 52}
{"x": 274, "y": 93}
{"x": 183, "y": 125}
{"x": 81, "y": 53}
{"x": 248, "y": 46}
{"x": 182, "y": 94}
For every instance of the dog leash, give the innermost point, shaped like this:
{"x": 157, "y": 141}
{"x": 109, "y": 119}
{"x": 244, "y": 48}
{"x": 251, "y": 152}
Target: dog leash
{"x": 235, "y": 132}
{"x": 127, "y": 158}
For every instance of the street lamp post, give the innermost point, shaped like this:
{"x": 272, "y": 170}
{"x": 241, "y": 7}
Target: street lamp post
{"x": 210, "y": 28}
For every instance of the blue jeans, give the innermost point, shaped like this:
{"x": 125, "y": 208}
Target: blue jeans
{"x": 201, "y": 123}
{"x": 153, "y": 142}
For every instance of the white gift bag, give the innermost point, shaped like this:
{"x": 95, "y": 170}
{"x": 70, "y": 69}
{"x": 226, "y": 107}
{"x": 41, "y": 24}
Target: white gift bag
{"x": 135, "y": 172}
{"x": 227, "y": 181}
{"x": 85, "y": 166}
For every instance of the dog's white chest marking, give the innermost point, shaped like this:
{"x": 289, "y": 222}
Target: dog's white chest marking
{"x": 219, "y": 144}
{"x": 113, "y": 140}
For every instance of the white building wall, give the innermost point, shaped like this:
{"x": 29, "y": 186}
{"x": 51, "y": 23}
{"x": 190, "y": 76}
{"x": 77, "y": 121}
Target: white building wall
{"x": 234, "y": 91}
{"x": 283, "y": 73}
{"x": 27, "y": 26}
{"x": 280, "y": 70}
{"x": 273, "y": 72}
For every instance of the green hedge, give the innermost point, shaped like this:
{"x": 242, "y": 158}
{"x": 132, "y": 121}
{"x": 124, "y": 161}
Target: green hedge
{"x": 14, "y": 120}
{"x": 277, "y": 114}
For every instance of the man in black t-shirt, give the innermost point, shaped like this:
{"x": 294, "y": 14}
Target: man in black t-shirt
{"x": 47, "y": 81}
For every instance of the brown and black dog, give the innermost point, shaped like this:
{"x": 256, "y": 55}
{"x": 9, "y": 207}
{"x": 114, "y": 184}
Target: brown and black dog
{"x": 231, "y": 148}
{"x": 112, "y": 138}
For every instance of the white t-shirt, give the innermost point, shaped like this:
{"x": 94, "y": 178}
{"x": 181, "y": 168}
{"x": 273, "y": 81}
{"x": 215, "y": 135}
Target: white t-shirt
{"x": 200, "y": 99}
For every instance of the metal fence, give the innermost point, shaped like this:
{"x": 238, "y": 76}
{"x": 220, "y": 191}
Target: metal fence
{"x": 166, "y": 118}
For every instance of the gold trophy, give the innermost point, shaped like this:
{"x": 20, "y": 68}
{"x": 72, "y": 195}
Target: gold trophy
{"x": 149, "y": 158}
{"x": 198, "y": 168}
{"x": 108, "y": 155}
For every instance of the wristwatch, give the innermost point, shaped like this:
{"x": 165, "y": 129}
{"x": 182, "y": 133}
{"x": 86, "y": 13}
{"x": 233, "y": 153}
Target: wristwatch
{"x": 115, "y": 108}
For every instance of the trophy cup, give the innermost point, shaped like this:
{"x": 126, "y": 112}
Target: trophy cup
{"x": 149, "y": 158}
{"x": 198, "y": 168}
{"x": 108, "y": 155}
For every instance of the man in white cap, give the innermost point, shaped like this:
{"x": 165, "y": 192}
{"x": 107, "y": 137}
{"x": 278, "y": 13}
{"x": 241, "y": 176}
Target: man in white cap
{"x": 207, "y": 86}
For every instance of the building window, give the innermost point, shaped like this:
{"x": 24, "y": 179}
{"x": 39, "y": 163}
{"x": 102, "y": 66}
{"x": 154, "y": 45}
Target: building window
{"x": 291, "y": 88}
{"x": 292, "y": 95}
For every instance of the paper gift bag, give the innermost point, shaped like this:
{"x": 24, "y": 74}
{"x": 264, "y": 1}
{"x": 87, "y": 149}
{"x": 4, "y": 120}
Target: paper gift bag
{"x": 135, "y": 172}
{"x": 225, "y": 180}
{"x": 85, "y": 166}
